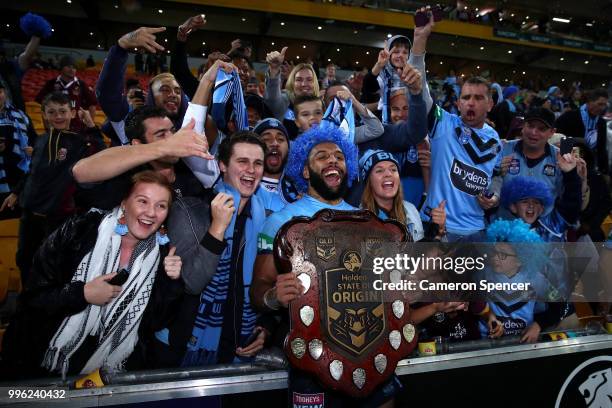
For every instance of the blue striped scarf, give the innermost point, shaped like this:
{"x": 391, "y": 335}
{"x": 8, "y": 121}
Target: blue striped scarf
{"x": 204, "y": 344}
{"x": 228, "y": 86}
{"x": 19, "y": 121}
{"x": 340, "y": 114}
{"x": 388, "y": 80}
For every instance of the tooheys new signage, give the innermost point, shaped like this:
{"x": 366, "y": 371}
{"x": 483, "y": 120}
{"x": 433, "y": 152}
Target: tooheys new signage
{"x": 343, "y": 331}
{"x": 468, "y": 179}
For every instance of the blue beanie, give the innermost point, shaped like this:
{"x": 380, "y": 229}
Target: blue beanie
{"x": 521, "y": 187}
{"x": 301, "y": 147}
{"x": 369, "y": 160}
{"x": 510, "y": 90}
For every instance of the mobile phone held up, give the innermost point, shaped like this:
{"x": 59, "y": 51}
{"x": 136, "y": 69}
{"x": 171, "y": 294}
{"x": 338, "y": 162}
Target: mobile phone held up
{"x": 567, "y": 145}
{"x": 421, "y": 18}
{"x": 120, "y": 278}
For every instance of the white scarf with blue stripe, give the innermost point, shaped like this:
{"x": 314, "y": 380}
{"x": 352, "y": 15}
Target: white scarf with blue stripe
{"x": 228, "y": 86}
{"x": 340, "y": 114}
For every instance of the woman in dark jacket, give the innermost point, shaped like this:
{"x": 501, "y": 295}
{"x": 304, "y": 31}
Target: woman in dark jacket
{"x": 77, "y": 313}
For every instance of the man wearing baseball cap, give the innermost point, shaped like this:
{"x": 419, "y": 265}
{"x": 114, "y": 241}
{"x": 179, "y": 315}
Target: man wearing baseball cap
{"x": 80, "y": 94}
{"x": 274, "y": 134}
{"x": 275, "y": 190}
{"x": 532, "y": 155}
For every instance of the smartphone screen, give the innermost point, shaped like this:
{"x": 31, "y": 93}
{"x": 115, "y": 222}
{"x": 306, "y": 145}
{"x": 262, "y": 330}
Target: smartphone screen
{"x": 567, "y": 145}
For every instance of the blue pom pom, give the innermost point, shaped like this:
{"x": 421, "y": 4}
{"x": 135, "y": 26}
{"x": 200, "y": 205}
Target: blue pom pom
{"x": 33, "y": 24}
{"x": 121, "y": 229}
{"x": 162, "y": 239}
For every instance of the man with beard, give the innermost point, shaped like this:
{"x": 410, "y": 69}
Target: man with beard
{"x": 104, "y": 176}
{"x": 272, "y": 132}
{"x": 154, "y": 143}
{"x": 323, "y": 164}
{"x": 164, "y": 91}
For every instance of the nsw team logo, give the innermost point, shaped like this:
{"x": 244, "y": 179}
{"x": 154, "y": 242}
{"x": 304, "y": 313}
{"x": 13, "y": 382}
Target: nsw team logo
{"x": 549, "y": 170}
{"x": 515, "y": 167}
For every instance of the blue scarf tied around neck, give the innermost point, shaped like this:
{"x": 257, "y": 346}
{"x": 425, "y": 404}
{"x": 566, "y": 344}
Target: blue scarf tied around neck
{"x": 203, "y": 346}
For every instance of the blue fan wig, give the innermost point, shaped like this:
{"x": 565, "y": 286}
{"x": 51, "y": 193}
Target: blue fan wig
{"x": 33, "y": 24}
{"x": 518, "y": 231}
{"x": 301, "y": 147}
{"x": 521, "y": 187}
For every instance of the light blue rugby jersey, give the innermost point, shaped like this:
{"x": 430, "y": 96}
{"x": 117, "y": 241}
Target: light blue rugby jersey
{"x": 305, "y": 206}
{"x": 463, "y": 160}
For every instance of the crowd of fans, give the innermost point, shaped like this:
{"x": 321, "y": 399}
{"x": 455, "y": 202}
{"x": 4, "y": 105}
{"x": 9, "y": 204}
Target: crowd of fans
{"x": 156, "y": 251}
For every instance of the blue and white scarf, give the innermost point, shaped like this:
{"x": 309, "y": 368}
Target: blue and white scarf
{"x": 19, "y": 121}
{"x": 203, "y": 346}
{"x": 228, "y": 86}
{"x": 388, "y": 80}
{"x": 340, "y": 114}
{"x": 590, "y": 127}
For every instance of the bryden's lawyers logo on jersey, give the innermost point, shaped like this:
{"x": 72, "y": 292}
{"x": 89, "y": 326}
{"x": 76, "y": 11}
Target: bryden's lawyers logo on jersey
{"x": 468, "y": 179}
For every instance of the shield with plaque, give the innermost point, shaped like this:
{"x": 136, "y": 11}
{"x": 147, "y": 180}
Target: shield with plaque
{"x": 344, "y": 331}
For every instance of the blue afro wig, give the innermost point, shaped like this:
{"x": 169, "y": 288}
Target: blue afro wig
{"x": 33, "y": 24}
{"x": 518, "y": 231}
{"x": 301, "y": 147}
{"x": 521, "y": 187}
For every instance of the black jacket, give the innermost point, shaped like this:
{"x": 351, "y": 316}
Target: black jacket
{"x": 570, "y": 124}
{"x": 49, "y": 297}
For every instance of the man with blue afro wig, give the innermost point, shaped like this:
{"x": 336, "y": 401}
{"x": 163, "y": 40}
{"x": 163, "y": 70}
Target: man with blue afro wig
{"x": 300, "y": 156}
{"x": 322, "y": 164}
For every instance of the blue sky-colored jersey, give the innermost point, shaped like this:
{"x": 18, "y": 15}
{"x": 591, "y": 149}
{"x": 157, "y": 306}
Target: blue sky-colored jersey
{"x": 514, "y": 309}
{"x": 306, "y": 206}
{"x": 462, "y": 166}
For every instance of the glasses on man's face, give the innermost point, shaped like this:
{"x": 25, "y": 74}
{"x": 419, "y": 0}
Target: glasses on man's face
{"x": 501, "y": 255}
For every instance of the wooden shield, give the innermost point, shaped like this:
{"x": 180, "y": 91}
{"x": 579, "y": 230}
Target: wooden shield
{"x": 343, "y": 331}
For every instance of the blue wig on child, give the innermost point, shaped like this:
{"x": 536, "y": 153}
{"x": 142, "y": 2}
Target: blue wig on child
{"x": 519, "y": 232}
{"x": 301, "y": 147}
{"x": 521, "y": 187}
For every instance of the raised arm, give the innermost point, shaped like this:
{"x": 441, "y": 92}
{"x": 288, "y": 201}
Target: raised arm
{"x": 417, "y": 56}
{"x": 272, "y": 95}
{"x": 371, "y": 128}
{"x": 109, "y": 87}
{"x": 179, "y": 66}
{"x": 113, "y": 161}
{"x": 399, "y": 136}
{"x": 205, "y": 169}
